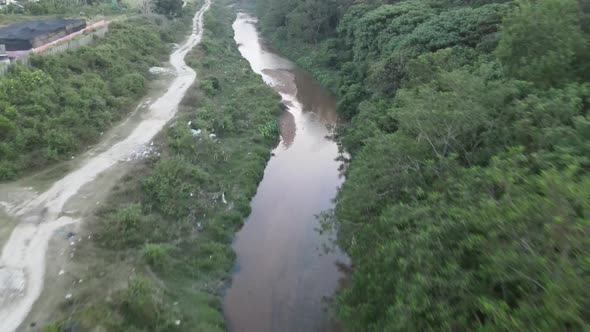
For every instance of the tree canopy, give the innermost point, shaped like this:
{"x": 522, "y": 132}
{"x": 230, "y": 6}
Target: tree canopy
{"x": 466, "y": 204}
{"x": 170, "y": 8}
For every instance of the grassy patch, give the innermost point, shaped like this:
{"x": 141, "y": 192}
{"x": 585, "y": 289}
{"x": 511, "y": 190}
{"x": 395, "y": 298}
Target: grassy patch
{"x": 175, "y": 217}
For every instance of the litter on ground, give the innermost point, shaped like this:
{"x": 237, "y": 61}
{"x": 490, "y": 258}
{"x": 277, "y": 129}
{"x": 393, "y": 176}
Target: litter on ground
{"x": 142, "y": 152}
{"x": 196, "y": 132}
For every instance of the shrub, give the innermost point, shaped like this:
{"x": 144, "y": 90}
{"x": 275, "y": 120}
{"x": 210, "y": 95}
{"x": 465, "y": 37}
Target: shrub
{"x": 154, "y": 254}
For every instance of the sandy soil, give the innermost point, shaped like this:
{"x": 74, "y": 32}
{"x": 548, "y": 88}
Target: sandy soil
{"x": 40, "y": 218}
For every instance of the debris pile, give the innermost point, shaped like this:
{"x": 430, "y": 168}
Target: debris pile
{"x": 142, "y": 152}
{"x": 160, "y": 70}
{"x": 197, "y": 133}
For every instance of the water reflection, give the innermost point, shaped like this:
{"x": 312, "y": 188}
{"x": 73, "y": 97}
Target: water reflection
{"x": 282, "y": 274}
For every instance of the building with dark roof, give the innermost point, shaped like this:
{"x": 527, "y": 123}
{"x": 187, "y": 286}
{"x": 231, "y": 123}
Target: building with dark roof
{"x": 32, "y": 34}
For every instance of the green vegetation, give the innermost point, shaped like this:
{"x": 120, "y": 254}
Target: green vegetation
{"x": 33, "y": 9}
{"x": 467, "y": 200}
{"x": 170, "y": 8}
{"x": 175, "y": 216}
{"x": 88, "y": 8}
{"x": 62, "y": 103}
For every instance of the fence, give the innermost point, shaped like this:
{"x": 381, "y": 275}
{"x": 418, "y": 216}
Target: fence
{"x": 69, "y": 42}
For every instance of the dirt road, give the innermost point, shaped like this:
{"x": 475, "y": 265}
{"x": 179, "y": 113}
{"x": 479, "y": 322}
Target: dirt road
{"x": 22, "y": 263}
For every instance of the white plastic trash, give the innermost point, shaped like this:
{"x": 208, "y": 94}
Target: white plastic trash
{"x": 196, "y": 132}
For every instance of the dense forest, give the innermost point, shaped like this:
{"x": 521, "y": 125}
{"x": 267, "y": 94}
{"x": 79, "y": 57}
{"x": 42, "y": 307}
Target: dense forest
{"x": 467, "y": 199}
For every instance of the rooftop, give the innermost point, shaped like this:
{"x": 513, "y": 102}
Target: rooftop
{"x": 32, "y": 29}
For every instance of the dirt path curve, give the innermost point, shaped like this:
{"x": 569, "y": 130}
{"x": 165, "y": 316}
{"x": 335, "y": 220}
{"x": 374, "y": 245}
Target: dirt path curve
{"x": 22, "y": 264}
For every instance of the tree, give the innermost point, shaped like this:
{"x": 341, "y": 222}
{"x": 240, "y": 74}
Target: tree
{"x": 7, "y": 127}
{"x": 170, "y": 8}
{"x": 540, "y": 41}
{"x": 147, "y": 7}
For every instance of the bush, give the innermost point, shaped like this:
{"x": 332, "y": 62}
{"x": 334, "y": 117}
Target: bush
{"x": 209, "y": 86}
{"x": 122, "y": 227}
{"x": 144, "y": 307}
{"x": 269, "y": 130}
{"x": 129, "y": 85}
{"x": 154, "y": 255}
{"x": 174, "y": 187}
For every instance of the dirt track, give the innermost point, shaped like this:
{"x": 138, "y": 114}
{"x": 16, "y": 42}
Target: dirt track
{"x": 22, "y": 263}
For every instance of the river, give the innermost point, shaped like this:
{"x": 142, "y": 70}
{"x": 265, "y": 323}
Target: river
{"x": 283, "y": 274}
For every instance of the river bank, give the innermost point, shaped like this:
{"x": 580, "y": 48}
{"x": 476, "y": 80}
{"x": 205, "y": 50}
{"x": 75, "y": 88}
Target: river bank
{"x": 466, "y": 199}
{"x": 160, "y": 245}
{"x": 41, "y": 217}
{"x": 284, "y": 277}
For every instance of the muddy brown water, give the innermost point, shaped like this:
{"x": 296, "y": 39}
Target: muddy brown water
{"x": 283, "y": 276}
